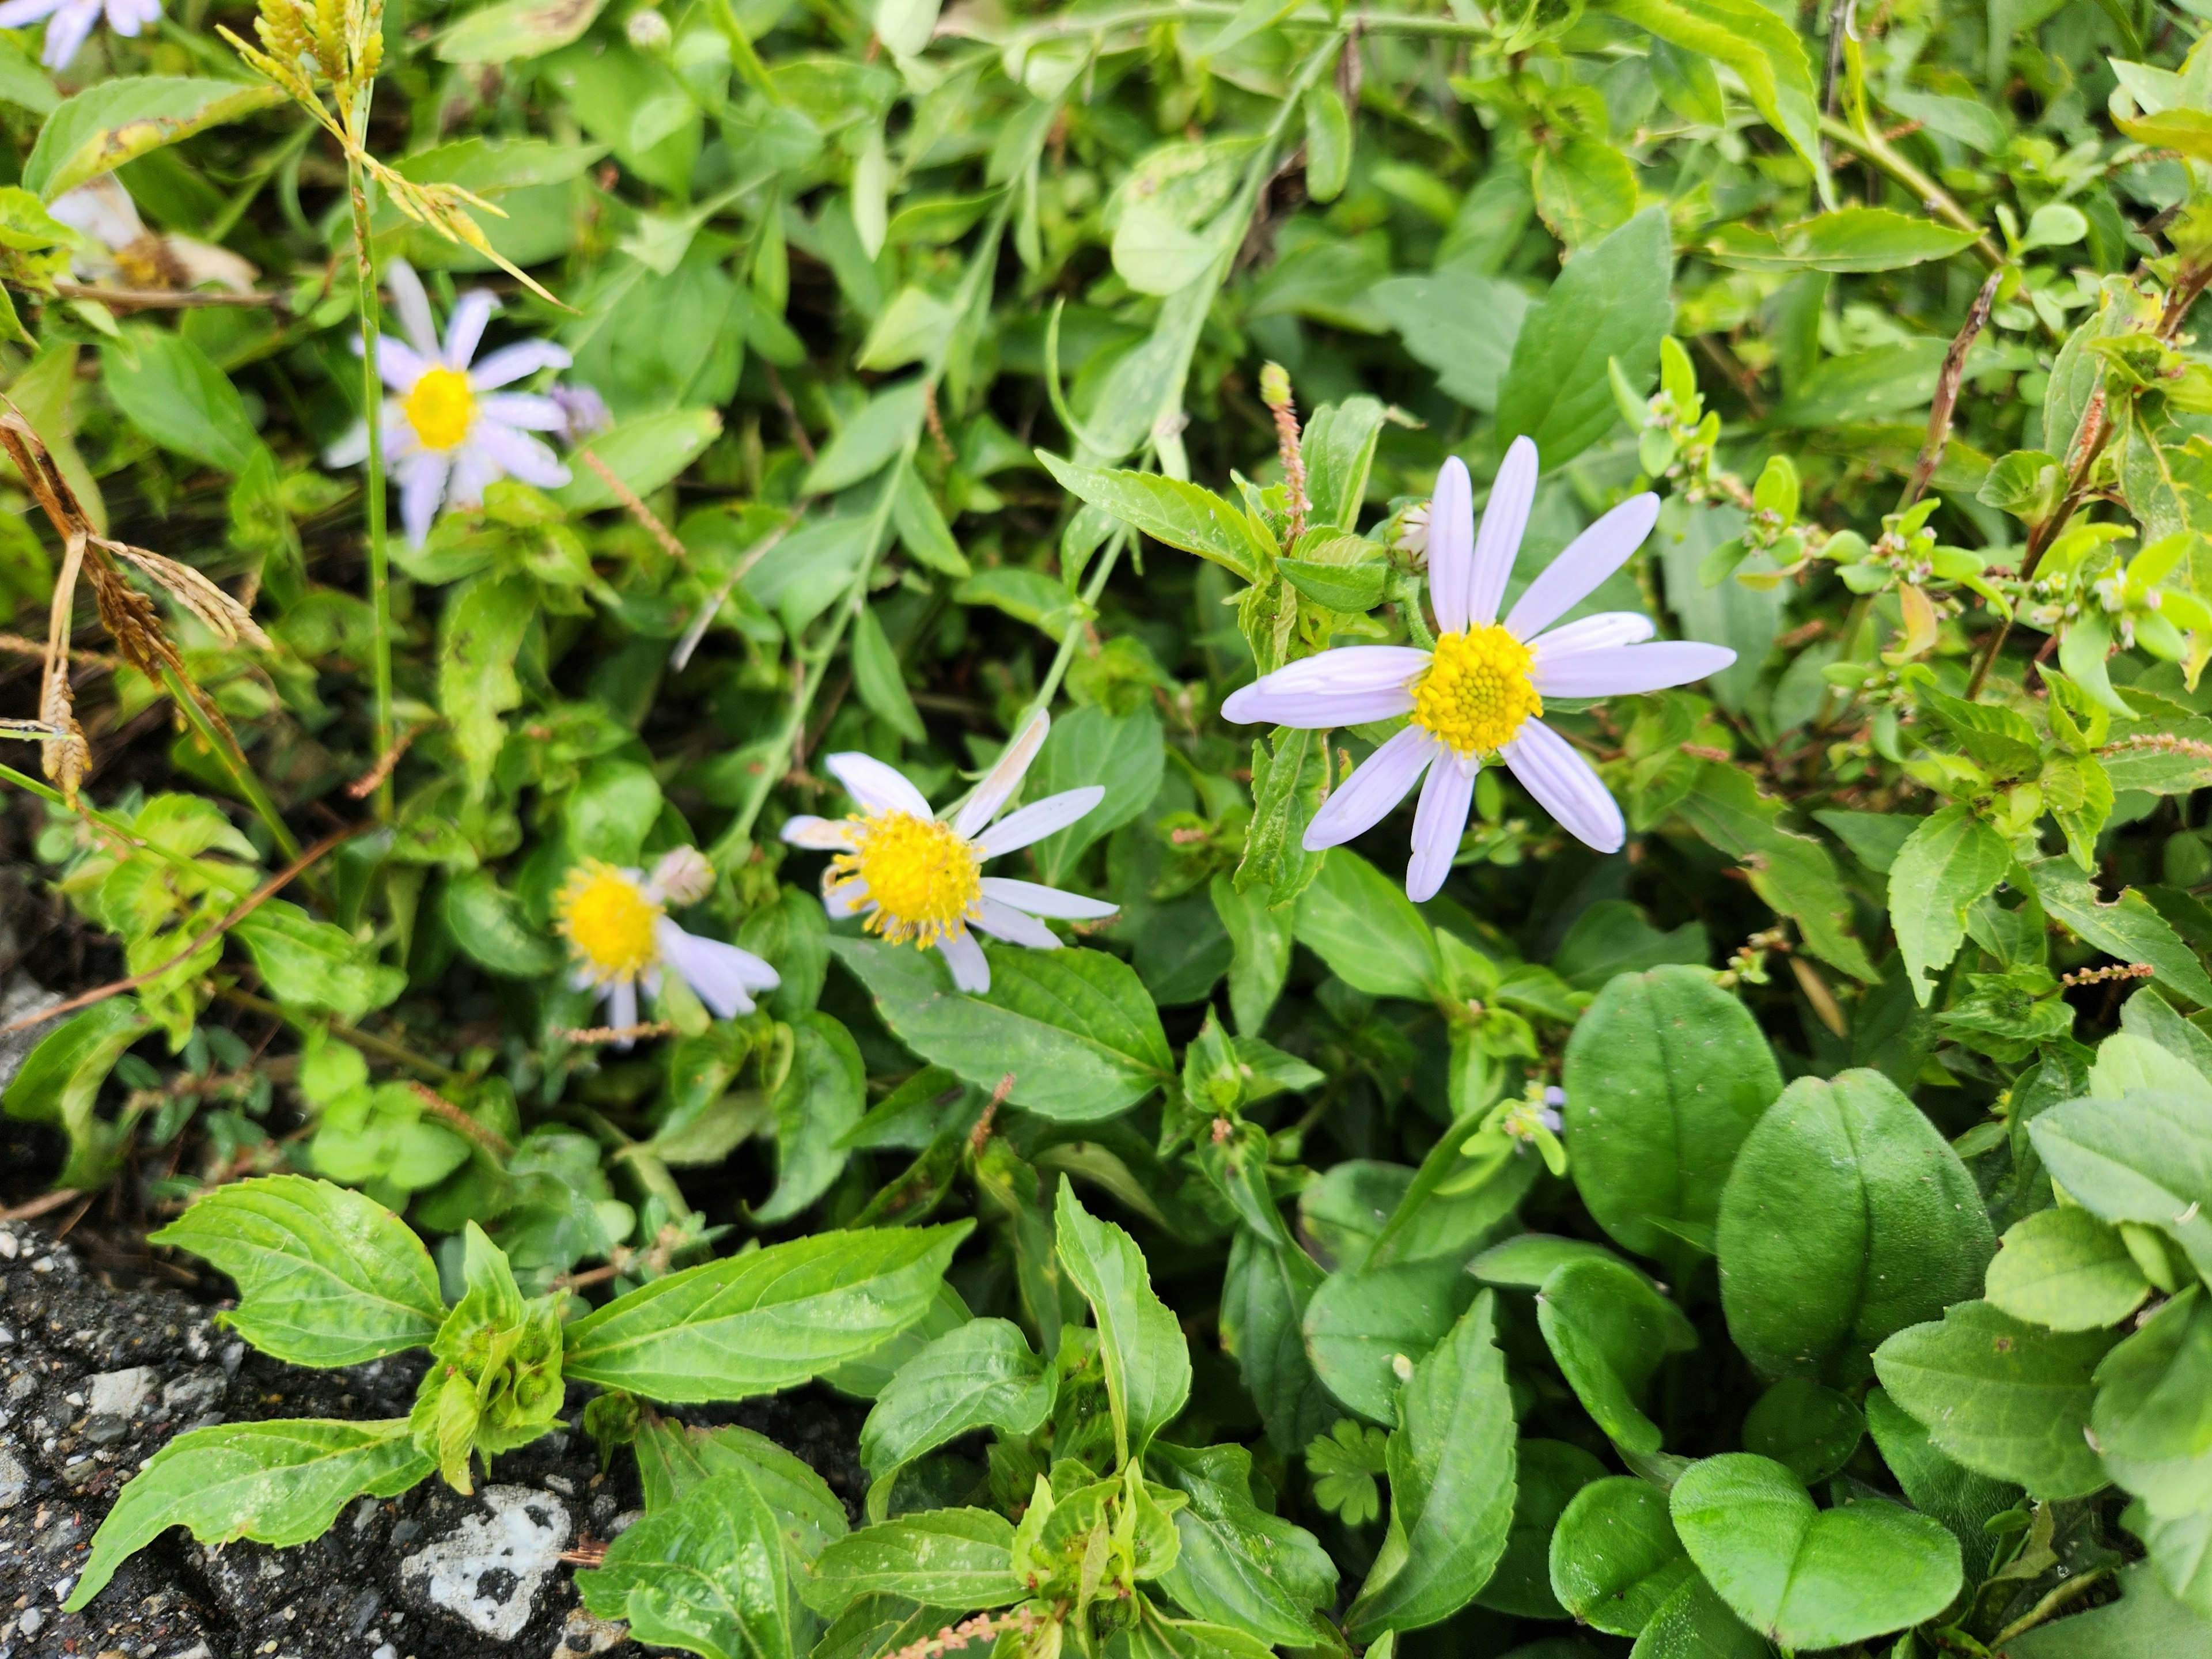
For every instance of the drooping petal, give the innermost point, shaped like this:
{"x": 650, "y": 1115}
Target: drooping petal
{"x": 422, "y": 486}
{"x": 1503, "y": 518}
{"x": 1041, "y": 901}
{"x": 1345, "y": 687}
{"x": 998, "y": 784}
{"x": 21, "y": 15}
{"x": 1600, "y": 633}
{"x": 517, "y": 454}
{"x": 465, "y": 328}
{"x": 971, "y": 969}
{"x": 724, "y": 976}
{"x": 1038, "y": 819}
{"x": 1015, "y": 927}
{"x": 1451, "y": 547}
{"x": 66, "y": 34}
{"x": 1438, "y": 822}
{"x": 820, "y": 834}
{"x": 398, "y": 364}
{"x": 413, "y": 305}
{"x": 510, "y": 363}
{"x": 1630, "y": 668}
{"x": 350, "y": 450}
{"x": 1565, "y": 786}
{"x": 1589, "y": 559}
{"x": 102, "y": 209}
{"x": 877, "y": 788}
{"x": 1378, "y": 784}
{"x": 525, "y": 409}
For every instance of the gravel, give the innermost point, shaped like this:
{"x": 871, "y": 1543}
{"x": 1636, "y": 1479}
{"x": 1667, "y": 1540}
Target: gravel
{"x": 93, "y": 1380}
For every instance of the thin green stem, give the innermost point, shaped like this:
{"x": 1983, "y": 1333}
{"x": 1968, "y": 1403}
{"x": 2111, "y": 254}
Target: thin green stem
{"x": 367, "y": 1041}
{"x": 233, "y": 760}
{"x": 1311, "y": 17}
{"x": 107, "y": 821}
{"x": 1071, "y": 635}
{"x": 379, "y": 584}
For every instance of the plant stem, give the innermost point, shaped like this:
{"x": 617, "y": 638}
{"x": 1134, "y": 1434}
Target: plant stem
{"x": 232, "y": 760}
{"x": 1072, "y": 633}
{"x": 371, "y": 384}
{"x": 367, "y": 1041}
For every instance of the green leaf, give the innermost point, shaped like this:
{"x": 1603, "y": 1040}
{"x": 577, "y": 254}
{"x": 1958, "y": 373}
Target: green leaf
{"x": 1960, "y": 1498}
{"x": 1848, "y": 1216}
{"x": 1260, "y": 936}
{"x": 673, "y": 1461}
{"x": 1546, "y": 1475}
{"x": 280, "y": 1482}
{"x": 116, "y": 121}
{"x": 2128, "y": 928}
{"x": 1075, "y": 1028}
{"x": 2064, "y": 1268}
{"x": 823, "y": 1097}
{"x": 480, "y": 633}
{"x": 1694, "y": 1623}
{"x": 1451, "y": 1465}
{"x": 516, "y": 29}
{"x": 2146, "y": 1158}
{"x": 771, "y": 1319}
{"x": 492, "y": 928}
{"x": 1615, "y": 1557}
{"x": 879, "y": 680}
{"x": 1463, "y": 325}
{"x": 2004, "y": 1399}
{"x": 1665, "y": 1076}
{"x": 1809, "y": 1578}
{"x": 1948, "y": 863}
{"x": 2152, "y": 1418}
{"x": 1237, "y": 1564}
{"x": 1354, "y": 588}
{"x": 1609, "y": 304}
{"x": 1364, "y": 1330}
{"x": 984, "y": 1375}
{"x": 166, "y": 387}
{"x": 1264, "y": 1296}
{"x": 325, "y": 1276}
{"x": 645, "y": 451}
{"x": 1852, "y": 238}
{"x": 1760, "y": 47}
{"x": 316, "y": 966}
{"x": 1793, "y": 873}
{"x": 1865, "y": 385}
{"x": 2146, "y": 1619}
{"x": 1361, "y": 923}
{"x": 1170, "y": 511}
{"x": 1810, "y": 1431}
{"x": 945, "y": 1558}
{"x": 1140, "y": 1343}
{"x": 60, "y": 1082}
{"x": 1339, "y": 449}
{"x": 1608, "y": 1330}
{"x": 1124, "y": 754}
{"x": 706, "y": 1576}
{"x": 1584, "y": 187}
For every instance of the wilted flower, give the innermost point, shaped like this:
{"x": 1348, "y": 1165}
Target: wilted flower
{"x": 73, "y": 21}
{"x": 140, "y": 257}
{"x": 1476, "y": 696}
{"x": 617, "y": 925}
{"x": 583, "y": 412}
{"x": 450, "y": 432}
{"x": 919, "y": 877}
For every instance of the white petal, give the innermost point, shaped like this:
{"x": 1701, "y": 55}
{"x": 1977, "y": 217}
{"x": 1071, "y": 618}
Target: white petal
{"x": 1503, "y": 518}
{"x": 1589, "y": 559}
{"x": 398, "y": 364}
{"x": 822, "y": 834}
{"x": 1451, "y": 547}
{"x": 66, "y": 34}
{"x": 350, "y": 450}
{"x": 517, "y": 454}
{"x": 413, "y": 305}
{"x": 1003, "y": 779}
{"x": 1378, "y": 784}
{"x": 1004, "y": 921}
{"x": 510, "y": 363}
{"x": 21, "y": 15}
{"x": 1565, "y": 786}
{"x": 724, "y": 976}
{"x": 1438, "y": 822}
{"x": 473, "y": 468}
{"x": 102, "y": 209}
{"x": 1600, "y": 633}
{"x": 522, "y": 408}
{"x": 877, "y": 788}
{"x": 421, "y": 485}
{"x": 622, "y": 1006}
{"x": 971, "y": 969}
{"x": 1041, "y": 901}
{"x": 1629, "y": 668}
{"x": 1038, "y": 819}
{"x": 1345, "y": 687}
{"x": 465, "y": 328}
{"x": 846, "y": 897}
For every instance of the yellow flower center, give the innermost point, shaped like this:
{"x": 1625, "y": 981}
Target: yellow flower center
{"x": 440, "y": 408}
{"x": 925, "y": 878}
{"x": 608, "y": 921}
{"x": 1477, "y": 693}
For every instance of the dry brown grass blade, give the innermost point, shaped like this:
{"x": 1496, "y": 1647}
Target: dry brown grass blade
{"x": 63, "y": 760}
{"x": 225, "y": 615}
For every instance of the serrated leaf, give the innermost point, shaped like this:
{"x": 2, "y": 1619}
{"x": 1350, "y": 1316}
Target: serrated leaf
{"x": 1948, "y": 863}
{"x": 118, "y": 121}
{"x": 1142, "y": 1345}
{"x": 706, "y": 1575}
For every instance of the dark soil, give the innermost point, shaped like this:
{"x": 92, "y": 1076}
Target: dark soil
{"x": 95, "y": 1380}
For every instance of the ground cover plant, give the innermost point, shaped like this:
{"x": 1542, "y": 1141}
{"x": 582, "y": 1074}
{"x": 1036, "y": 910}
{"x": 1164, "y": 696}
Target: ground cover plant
{"x": 1399, "y": 804}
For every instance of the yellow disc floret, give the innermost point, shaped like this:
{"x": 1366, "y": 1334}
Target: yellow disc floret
{"x": 608, "y": 921}
{"x": 923, "y": 876}
{"x": 1477, "y": 693}
{"x": 440, "y": 408}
